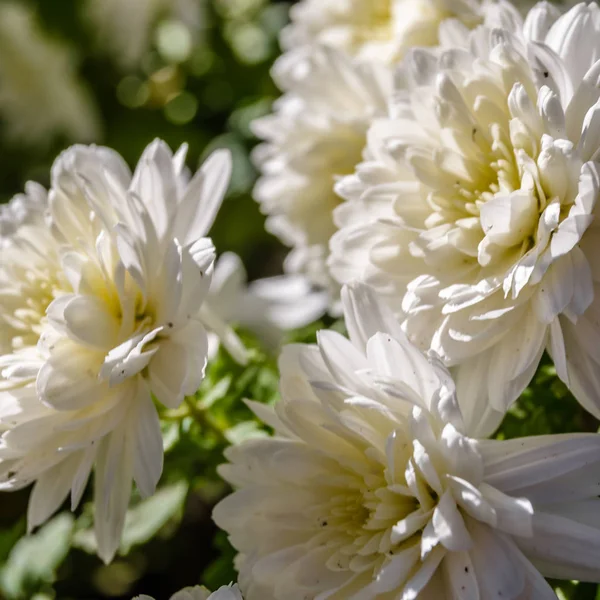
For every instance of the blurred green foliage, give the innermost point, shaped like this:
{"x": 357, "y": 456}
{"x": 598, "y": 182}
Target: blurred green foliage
{"x": 203, "y": 92}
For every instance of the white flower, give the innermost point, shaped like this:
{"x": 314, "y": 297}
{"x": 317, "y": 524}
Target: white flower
{"x": 267, "y": 307}
{"x": 23, "y": 209}
{"x": 372, "y": 487}
{"x": 103, "y": 305}
{"x": 317, "y": 132}
{"x": 380, "y": 30}
{"x": 41, "y": 95}
{"x": 474, "y": 217}
{"x": 226, "y": 592}
{"x": 125, "y": 28}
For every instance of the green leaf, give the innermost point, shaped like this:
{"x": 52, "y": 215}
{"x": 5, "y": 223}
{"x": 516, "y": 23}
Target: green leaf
{"x": 217, "y": 392}
{"x": 9, "y": 537}
{"x": 34, "y": 559}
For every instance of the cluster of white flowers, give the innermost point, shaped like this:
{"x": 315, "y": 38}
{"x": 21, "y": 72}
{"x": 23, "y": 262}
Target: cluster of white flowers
{"x": 471, "y": 217}
{"x": 435, "y": 167}
{"x": 474, "y": 213}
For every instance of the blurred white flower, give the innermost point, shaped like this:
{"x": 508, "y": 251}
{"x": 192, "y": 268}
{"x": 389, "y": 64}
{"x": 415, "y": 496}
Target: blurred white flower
{"x": 267, "y": 307}
{"x": 474, "y": 216}
{"x": 40, "y": 94}
{"x": 372, "y": 487}
{"x": 103, "y": 303}
{"x": 23, "y": 209}
{"x": 380, "y": 30}
{"x": 226, "y": 592}
{"x": 317, "y": 133}
{"x": 125, "y": 28}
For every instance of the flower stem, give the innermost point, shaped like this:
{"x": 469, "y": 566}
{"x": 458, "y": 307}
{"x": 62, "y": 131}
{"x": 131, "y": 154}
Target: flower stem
{"x": 204, "y": 419}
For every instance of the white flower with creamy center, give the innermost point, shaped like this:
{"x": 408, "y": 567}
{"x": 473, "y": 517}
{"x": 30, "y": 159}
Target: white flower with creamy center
{"x": 316, "y": 134}
{"x": 380, "y": 30}
{"x": 101, "y": 305}
{"x": 41, "y": 95}
{"x": 226, "y": 592}
{"x": 474, "y": 217}
{"x": 372, "y": 487}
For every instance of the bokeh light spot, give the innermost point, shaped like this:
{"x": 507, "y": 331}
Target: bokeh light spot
{"x": 174, "y": 41}
{"x": 133, "y": 92}
{"x": 182, "y": 109}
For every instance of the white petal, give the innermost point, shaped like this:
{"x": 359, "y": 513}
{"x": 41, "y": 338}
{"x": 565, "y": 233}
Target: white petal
{"x": 129, "y": 358}
{"x": 89, "y": 321}
{"x": 289, "y": 301}
{"x": 472, "y": 501}
{"x": 112, "y": 490}
{"x": 145, "y": 427}
{"x": 401, "y": 359}
{"x": 394, "y": 574}
{"x": 227, "y": 336}
{"x": 343, "y": 360}
{"x": 563, "y": 548}
{"x": 50, "y": 491}
{"x": 202, "y": 199}
{"x": 82, "y": 475}
{"x": 514, "y": 361}
{"x": 481, "y": 419}
{"x": 69, "y": 379}
{"x": 366, "y": 315}
{"x": 497, "y": 563}
{"x": 168, "y": 372}
{"x": 516, "y": 466}
{"x": 422, "y": 577}
{"x": 460, "y": 575}
{"x": 513, "y": 515}
{"x": 449, "y": 525}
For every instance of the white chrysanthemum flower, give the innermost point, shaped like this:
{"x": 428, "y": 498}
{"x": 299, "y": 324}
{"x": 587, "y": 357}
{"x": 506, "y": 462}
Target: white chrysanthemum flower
{"x": 317, "y": 133}
{"x": 102, "y": 299}
{"x": 474, "y": 217}
{"x": 267, "y": 307}
{"x": 226, "y": 592}
{"x": 126, "y": 27}
{"x": 380, "y": 30}
{"x": 40, "y": 93}
{"x": 372, "y": 487}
